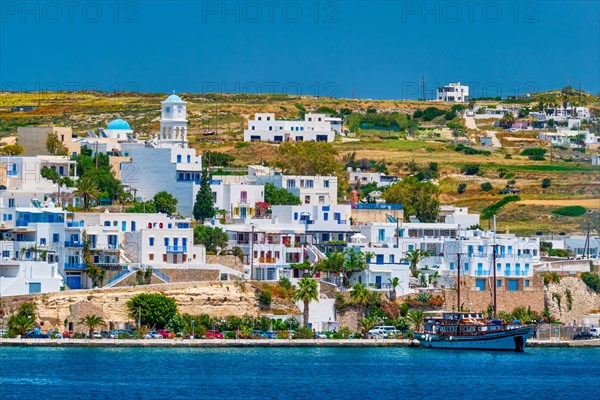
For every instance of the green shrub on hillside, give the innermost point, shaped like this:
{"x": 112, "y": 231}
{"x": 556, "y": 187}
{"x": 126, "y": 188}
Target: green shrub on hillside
{"x": 470, "y": 169}
{"x": 550, "y": 277}
{"x": 535, "y": 153}
{"x": 592, "y": 280}
{"x": 486, "y": 186}
{"x": 570, "y": 211}
{"x": 470, "y": 151}
{"x": 492, "y": 210}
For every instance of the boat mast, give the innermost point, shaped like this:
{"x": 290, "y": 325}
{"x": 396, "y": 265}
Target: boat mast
{"x": 458, "y": 293}
{"x": 494, "y": 283}
{"x": 458, "y": 279}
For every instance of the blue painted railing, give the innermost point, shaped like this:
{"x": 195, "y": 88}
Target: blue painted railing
{"x": 69, "y": 243}
{"x": 75, "y": 224}
{"x": 176, "y": 249}
{"x": 119, "y": 276}
{"x": 161, "y": 275}
{"x": 75, "y": 266}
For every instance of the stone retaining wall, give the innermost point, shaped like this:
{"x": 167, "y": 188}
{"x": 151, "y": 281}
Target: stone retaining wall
{"x": 228, "y": 261}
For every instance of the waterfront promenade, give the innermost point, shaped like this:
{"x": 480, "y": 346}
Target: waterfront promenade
{"x": 216, "y": 343}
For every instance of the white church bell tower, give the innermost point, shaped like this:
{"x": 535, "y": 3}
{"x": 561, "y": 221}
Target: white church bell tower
{"x": 173, "y": 122}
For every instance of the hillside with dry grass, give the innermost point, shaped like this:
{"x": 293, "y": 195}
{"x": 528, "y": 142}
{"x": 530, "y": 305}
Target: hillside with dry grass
{"x": 216, "y": 123}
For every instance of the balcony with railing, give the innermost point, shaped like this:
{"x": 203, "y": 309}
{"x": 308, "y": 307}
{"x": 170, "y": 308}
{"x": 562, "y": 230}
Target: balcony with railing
{"x": 267, "y": 260}
{"x": 75, "y": 266}
{"x": 74, "y": 244}
{"x": 110, "y": 247}
{"x": 75, "y": 224}
{"x": 176, "y": 249}
{"x": 21, "y": 223}
{"x": 380, "y": 286}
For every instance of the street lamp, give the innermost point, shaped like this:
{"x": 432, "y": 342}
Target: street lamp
{"x": 192, "y": 338}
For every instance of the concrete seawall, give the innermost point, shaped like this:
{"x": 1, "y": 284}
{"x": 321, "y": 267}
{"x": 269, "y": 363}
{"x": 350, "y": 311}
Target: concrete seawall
{"x": 218, "y": 343}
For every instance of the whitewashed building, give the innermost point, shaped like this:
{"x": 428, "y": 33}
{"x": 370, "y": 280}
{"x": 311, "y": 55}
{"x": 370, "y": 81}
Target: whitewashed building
{"x": 28, "y": 277}
{"x": 453, "y": 93}
{"x": 292, "y": 235}
{"x": 315, "y": 127}
{"x": 165, "y": 163}
{"x": 361, "y": 178}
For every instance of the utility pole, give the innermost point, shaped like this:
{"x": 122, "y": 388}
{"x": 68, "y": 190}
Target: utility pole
{"x": 216, "y": 118}
{"x": 586, "y": 249}
{"x": 423, "y": 88}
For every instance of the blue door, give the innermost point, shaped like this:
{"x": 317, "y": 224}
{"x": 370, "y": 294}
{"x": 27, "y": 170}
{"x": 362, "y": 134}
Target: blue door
{"x": 74, "y": 281}
{"x": 378, "y": 281}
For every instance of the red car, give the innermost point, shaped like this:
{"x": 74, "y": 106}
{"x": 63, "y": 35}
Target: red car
{"x": 67, "y": 334}
{"x": 164, "y": 333}
{"x": 211, "y": 334}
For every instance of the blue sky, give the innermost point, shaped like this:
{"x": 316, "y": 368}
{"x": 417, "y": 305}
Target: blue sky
{"x": 376, "y": 49}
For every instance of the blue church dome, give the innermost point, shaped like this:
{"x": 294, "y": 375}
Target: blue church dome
{"x": 174, "y": 98}
{"x": 118, "y": 124}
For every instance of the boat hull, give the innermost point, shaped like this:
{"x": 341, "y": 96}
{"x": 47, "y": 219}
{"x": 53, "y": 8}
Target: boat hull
{"x": 510, "y": 340}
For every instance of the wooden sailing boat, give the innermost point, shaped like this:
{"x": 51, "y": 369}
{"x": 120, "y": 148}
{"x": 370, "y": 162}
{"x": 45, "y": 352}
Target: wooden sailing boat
{"x": 467, "y": 330}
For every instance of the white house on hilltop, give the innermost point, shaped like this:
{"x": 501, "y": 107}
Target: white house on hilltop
{"x": 315, "y": 127}
{"x": 453, "y": 93}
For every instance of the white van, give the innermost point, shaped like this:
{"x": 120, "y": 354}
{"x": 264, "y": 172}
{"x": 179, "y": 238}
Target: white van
{"x": 595, "y": 332}
{"x": 383, "y": 331}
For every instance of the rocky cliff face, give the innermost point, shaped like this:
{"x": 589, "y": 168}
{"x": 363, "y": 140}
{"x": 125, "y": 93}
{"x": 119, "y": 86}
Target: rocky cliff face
{"x": 217, "y": 299}
{"x": 570, "y": 299}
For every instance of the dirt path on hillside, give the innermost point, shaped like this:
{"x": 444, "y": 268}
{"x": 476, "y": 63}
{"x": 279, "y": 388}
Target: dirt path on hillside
{"x": 587, "y": 203}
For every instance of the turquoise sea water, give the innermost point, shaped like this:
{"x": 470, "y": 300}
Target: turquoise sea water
{"x": 297, "y": 373}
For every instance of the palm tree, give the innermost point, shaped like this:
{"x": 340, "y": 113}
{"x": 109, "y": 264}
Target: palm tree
{"x": 88, "y": 190}
{"x": 360, "y": 296}
{"x": 92, "y": 321}
{"x": 416, "y": 319}
{"x": 414, "y": 257}
{"x": 307, "y": 291}
{"x": 394, "y": 282}
{"x": 366, "y": 324}
{"x": 21, "y": 323}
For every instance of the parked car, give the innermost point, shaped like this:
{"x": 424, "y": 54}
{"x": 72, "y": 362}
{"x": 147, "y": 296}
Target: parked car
{"x": 3, "y": 332}
{"x": 67, "y": 334}
{"x": 33, "y": 335}
{"x": 256, "y": 334}
{"x": 97, "y": 335}
{"x": 582, "y": 336}
{"x": 55, "y": 335}
{"x": 213, "y": 334}
{"x": 269, "y": 335}
{"x": 153, "y": 335}
{"x": 115, "y": 334}
{"x": 595, "y": 332}
{"x": 165, "y": 333}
